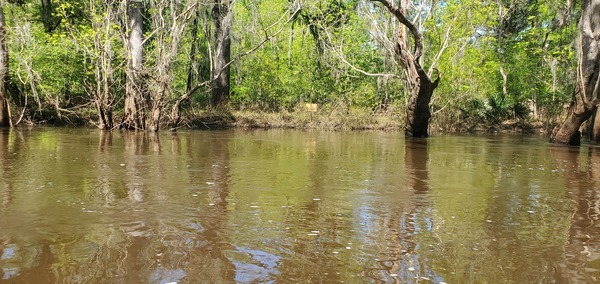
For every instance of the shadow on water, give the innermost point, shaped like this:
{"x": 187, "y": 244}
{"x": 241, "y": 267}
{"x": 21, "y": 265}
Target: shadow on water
{"x": 581, "y": 259}
{"x": 416, "y": 159}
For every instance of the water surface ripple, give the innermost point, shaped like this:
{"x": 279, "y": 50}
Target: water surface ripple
{"x": 278, "y": 206}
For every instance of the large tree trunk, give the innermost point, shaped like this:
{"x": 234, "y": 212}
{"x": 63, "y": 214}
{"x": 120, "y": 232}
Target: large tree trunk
{"x": 222, "y": 15}
{"x": 4, "y": 114}
{"x": 135, "y": 93}
{"x": 418, "y": 113}
{"x": 420, "y": 85}
{"x": 586, "y": 95}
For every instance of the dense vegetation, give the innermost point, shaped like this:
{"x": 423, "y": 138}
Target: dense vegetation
{"x": 75, "y": 61}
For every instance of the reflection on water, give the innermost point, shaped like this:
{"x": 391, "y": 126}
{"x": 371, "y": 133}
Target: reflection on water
{"x": 289, "y": 206}
{"x": 581, "y": 259}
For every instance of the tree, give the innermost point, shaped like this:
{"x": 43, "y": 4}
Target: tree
{"x": 419, "y": 83}
{"x": 198, "y": 69}
{"x": 135, "y": 94}
{"x": 532, "y": 40}
{"x": 222, "y": 17}
{"x": 4, "y": 113}
{"x": 103, "y": 61}
{"x": 169, "y": 22}
{"x": 218, "y": 61}
{"x": 587, "y": 92}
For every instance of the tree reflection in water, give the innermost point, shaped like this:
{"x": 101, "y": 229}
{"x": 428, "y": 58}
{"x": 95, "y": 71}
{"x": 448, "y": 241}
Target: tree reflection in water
{"x": 403, "y": 263}
{"x": 17, "y": 256}
{"x": 293, "y": 206}
{"x": 157, "y": 239}
{"x": 581, "y": 263}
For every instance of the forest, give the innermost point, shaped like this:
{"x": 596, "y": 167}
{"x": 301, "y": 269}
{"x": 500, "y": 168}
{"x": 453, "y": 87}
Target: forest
{"x": 164, "y": 64}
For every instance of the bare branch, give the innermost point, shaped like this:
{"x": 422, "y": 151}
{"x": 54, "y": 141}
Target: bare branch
{"x": 248, "y": 52}
{"x": 443, "y": 47}
{"x": 340, "y": 54}
{"x": 400, "y": 16}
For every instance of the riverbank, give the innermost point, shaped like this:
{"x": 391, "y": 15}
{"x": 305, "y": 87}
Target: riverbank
{"x": 351, "y": 120}
{"x": 324, "y": 119}
{"x": 354, "y": 119}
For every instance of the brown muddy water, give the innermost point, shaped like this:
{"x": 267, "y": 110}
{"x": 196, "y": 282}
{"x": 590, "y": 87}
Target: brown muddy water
{"x": 82, "y": 206}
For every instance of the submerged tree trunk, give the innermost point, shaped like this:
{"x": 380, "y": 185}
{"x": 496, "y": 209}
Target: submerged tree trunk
{"x": 135, "y": 93}
{"x": 420, "y": 85}
{"x": 222, "y": 15}
{"x": 4, "y": 114}
{"x": 587, "y": 92}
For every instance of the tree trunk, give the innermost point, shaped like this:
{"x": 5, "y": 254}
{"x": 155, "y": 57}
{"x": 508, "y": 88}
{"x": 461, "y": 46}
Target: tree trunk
{"x": 595, "y": 129}
{"x": 4, "y": 114}
{"x": 420, "y": 85}
{"x": 193, "y": 68}
{"x": 46, "y": 15}
{"x": 103, "y": 69}
{"x": 157, "y": 108}
{"x": 418, "y": 113}
{"x": 222, "y": 19}
{"x": 135, "y": 93}
{"x": 104, "y": 108}
{"x": 193, "y": 72}
{"x": 585, "y": 97}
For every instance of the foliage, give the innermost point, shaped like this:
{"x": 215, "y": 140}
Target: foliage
{"x": 319, "y": 56}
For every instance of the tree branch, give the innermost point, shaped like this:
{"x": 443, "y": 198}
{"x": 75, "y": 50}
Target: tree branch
{"x": 340, "y": 54}
{"x": 241, "y": 55}
{"x": 400, "y": 15}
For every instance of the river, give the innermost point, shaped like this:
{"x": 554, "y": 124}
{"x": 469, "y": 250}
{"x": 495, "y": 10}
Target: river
{"x": 286, "y": 206}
